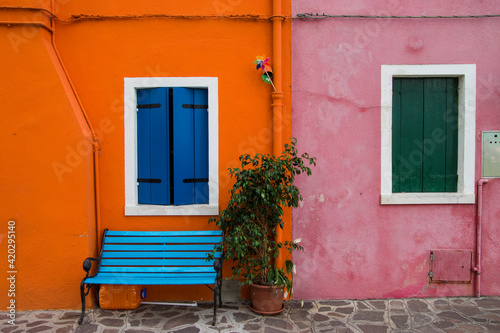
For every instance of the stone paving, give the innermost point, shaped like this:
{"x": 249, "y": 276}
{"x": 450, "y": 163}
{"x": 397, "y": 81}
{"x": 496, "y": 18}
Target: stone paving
{"x": 450, "y": 315}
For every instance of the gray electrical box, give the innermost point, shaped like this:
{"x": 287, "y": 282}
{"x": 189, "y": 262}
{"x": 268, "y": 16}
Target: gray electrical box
{"x": 491, "y": 154}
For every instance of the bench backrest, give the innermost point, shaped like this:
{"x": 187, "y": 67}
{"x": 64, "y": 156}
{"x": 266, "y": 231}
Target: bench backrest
{"x": 168, "y": 253}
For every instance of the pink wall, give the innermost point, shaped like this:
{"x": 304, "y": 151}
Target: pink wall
{"x": 361, "y": 249}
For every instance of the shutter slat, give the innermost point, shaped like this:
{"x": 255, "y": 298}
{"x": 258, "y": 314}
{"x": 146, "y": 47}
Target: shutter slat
{"x": 183, "y": 147}
{"x": 411, "y": 128}
{"x": 160, "y": 192}
{"x": 451, "y": 170}
{"x": 201, "y": 146}
{"x": 143, "y": 146}
{"x": 434, "y": 151}
{"x": 396, "y": 135}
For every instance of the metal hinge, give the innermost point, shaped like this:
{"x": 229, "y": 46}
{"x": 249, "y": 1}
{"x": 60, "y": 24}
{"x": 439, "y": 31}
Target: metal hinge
{"x": 148, "y": 106}
{"x": 195, "y": 106}
{"x": 148, "y": 180}
{"x": 431, "y": 274}
{"x": 432, "y": 256}
{"x": 195, "y": 180}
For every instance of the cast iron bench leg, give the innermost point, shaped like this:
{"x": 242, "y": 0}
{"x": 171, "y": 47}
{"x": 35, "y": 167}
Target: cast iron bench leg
{"x": 216, "y": 291}
{"x": 83, "y": 294}
{"x": 220, "y": 293}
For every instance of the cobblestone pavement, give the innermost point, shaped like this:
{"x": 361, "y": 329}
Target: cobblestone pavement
{"x": 451, "y": 315}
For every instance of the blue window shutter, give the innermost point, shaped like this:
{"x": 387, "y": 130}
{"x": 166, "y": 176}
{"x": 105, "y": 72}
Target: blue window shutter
{"x": 190, "y": 146}
{"x": 201, "y": 145}
{"x": 160, "y": 192}
{"x": 153, "y": 141}
{"x": 183, "y": 146}
{"x": 143, "y": 147}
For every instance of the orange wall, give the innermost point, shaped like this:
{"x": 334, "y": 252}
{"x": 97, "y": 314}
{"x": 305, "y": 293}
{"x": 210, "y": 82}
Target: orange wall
{"x": 98, "y": 54}
{"x": 41, "y": 135}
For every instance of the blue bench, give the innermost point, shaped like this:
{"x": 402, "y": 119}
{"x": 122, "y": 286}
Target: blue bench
{"x": 157, "y": 258}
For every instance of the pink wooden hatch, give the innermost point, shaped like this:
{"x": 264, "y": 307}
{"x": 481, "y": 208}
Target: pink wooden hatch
{"x": 451, "y": 266}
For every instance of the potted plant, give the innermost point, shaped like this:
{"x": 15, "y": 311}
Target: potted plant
{"x": 264, "y": 186}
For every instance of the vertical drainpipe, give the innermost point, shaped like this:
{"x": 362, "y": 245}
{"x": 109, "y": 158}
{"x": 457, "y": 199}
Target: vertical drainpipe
{"x": 277, "y": 97}
{"x": 95, "y": 141}
{"x": 477, "y": 269}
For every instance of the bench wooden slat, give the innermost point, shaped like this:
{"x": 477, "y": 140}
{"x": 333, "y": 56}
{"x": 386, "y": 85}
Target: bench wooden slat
{"x": 165, "y": 233}
{"x": 141, "y": 269}
{"x": 163, "y": 240}
{"x": 152, "y": 281}
{"x": 156, "y": 275}
{"x": 158, "y": 247}
{"x": 185, "y": 255}
{"x": 155, "y": 262}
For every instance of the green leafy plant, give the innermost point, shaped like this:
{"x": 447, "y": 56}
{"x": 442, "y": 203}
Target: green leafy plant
{"x": 264, "y": 185}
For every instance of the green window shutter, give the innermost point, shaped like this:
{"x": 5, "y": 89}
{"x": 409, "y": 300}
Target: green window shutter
{"x": 425, "y": 135}
{"x": 451, "y": 116}
{"x": 408, "y": 126}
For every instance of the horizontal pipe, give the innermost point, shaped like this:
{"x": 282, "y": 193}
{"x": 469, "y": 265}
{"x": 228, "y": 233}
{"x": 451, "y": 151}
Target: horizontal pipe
{"x": 36, "y": 24}
{"x": 29, "y": 8}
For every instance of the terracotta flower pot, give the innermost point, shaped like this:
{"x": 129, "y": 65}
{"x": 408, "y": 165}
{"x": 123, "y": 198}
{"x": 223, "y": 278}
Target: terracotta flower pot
{"x": 267, "y": 300}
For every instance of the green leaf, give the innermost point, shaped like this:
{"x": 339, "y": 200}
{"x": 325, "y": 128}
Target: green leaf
{"x": 266, "y": 79}
{"x": 289, "y": 266}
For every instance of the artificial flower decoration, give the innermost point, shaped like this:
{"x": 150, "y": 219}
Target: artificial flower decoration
{"x": 262, "y": 62}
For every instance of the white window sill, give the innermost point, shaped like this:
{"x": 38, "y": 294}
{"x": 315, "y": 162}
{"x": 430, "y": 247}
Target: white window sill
{"x": 427, "y": 198}
{"x": 156, "y": 210}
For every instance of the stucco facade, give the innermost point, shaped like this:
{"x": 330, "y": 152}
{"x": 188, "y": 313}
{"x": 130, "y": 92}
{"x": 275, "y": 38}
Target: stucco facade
{"x": 70, "y": 71}
{"x": 362, "y": 241}
{"x": 66, "y": 111}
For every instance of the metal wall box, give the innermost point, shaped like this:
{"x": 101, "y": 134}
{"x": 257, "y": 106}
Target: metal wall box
{"x": 451, "y": 266}
{"x": 491, "y": 154}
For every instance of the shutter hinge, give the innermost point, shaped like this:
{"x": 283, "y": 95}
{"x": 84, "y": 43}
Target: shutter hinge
{"x": 432, "y": 256}
{"x": 148, "y": 106}
{"x": 195, "y": 180}
{"x": 195, "y": 106}
{"x": 148, "y": 180}
{"x": 431, "y": 274}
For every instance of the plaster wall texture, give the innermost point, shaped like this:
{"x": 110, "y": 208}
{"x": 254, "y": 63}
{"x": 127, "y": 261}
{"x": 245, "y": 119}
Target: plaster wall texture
{"x": 100, "y": 45}
{"x": 43, "y": 133}
{"x": 354, "y": 246}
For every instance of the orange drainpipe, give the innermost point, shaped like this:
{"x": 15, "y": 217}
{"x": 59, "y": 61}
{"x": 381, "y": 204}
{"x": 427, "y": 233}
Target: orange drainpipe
{"x": 277, "y": 97}
{"x": 95, "y": 140}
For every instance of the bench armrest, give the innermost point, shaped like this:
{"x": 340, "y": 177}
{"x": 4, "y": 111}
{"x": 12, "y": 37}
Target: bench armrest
{"x": 218, "y": 265}
{"x": 87, "y": 265}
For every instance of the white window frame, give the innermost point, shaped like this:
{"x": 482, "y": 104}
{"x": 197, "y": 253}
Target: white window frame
{"x": 132, "y": 206}
{"x": 466, "y": 74}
